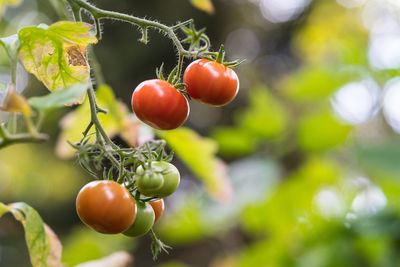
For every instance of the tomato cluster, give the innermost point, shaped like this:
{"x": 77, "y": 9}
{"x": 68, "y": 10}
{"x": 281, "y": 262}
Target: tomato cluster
{"x": 160, "y": 105}
{"x": 110, "y": 208}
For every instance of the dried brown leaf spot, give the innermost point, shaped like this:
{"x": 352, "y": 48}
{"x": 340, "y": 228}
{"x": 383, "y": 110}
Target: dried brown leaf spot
{"x": 75, "y": 56}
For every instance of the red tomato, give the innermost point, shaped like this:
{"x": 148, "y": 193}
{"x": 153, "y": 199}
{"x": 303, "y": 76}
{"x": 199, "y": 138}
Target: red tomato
{"x": 211, "y": 82}
{"x": 106, "y": 206}
{"x": 159, "y": 104}
{"x": 158, "y": 207}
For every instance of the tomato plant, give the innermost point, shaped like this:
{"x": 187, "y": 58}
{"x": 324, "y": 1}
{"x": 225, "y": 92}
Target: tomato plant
{"x": 171, "y": 178}
{"x": 158, "y": 207}
{"x": 144, "y": 220}
{"x": 62, "y": 64}
{"x": 211, "y": 82}
{"x": 149, "y": 182}
{"x": 106, "y": 206}
{"x": 159, "y": 104}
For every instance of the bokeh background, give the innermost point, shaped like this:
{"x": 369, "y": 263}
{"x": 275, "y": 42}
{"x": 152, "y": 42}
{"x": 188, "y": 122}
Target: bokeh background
{"x": 311, "y": 143}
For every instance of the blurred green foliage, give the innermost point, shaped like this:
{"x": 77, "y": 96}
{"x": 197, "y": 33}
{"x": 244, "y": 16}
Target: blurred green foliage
{"x": 301, "y": 186}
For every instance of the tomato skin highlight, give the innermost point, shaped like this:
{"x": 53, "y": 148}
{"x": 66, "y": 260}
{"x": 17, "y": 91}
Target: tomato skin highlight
{"x": 160, "y": 105}
{"x": 158, "y": 207}
{"x": 211, "y": 82}
{"x": 144, "y": 220}
{"x": 106, "y": 206}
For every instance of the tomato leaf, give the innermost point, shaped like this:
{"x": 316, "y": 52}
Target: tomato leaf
{"x": 43, "y": 244}
{"x": 55, "y": 54}
{"x": 14, "y": 102}
{"x": 3, "y": 209}
{"x": 198, "y": 154}
{"x": 11, "y": 45}
{"x": 67, "y": 96}
{"x": 54, "y": 257}
{"x": 35, "y": 234}
{"x": 204, "y": 5}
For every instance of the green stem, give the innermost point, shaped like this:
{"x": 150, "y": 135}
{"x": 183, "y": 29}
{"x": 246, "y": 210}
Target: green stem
{"x": 99, "y": 14}
{"x": 179, "y": 71}
{"x": 95, "y": 119}
{"x": 7, "y": 139}
{"x": 95, "y": 66}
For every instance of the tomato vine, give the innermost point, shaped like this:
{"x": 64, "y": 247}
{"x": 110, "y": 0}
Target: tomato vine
{"x": 103, "y": 158}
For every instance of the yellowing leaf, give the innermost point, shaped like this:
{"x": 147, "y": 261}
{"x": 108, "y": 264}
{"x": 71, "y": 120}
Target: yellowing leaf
{"x": 15, "y": 102}
{"x": 55, "y": 54}
{"x": 43, "y": 244}
{"x": 198, "y": 154}
{"x": 204, "y": 5}
{"x": 345, "y": 40}
{"x": 54, "y": 257}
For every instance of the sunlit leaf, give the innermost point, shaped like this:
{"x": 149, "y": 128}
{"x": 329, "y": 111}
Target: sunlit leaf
{"x": 320, "y": 131}
{"x": 345, "y": 41}
{"x": 67, "y": 96}
{"x": 265, "y": 117}
{"x": 3, "y": 209}
{"x": 198, "y": 154}
{"x": 204, "y": 5}
{"x": 10, "y": 44}
{"x": 315, "y": 83}
{"x": 55, "y": 54}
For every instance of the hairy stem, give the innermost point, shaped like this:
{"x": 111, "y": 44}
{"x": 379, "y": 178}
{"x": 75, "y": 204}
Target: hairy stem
{"x": 100, "y": 14}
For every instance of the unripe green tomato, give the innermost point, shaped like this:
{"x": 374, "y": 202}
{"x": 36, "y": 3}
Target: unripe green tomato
{"x": 171, "y": 178}
{"x": 144, "y": 220}
{"x": 148, "y": 183}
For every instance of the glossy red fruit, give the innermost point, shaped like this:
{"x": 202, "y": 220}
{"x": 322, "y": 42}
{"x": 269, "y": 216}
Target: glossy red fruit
{"x": 106, "y": 206}
{"x": 159, "y": 104}
{"x": 211, "y": 82}
{"x": 158, "y": 207}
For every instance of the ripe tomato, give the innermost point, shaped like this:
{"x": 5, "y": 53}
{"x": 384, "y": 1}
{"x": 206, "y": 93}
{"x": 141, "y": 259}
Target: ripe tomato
{"x": 159, "y": 104}
{"x": 171, "y": 178}
{"x": 106, "y": 206}
{"x": 148, "y": 182}
{"x": 144, "y": 220}
{"x": 158, "y": 207}
{"x": 211, "y": 82}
